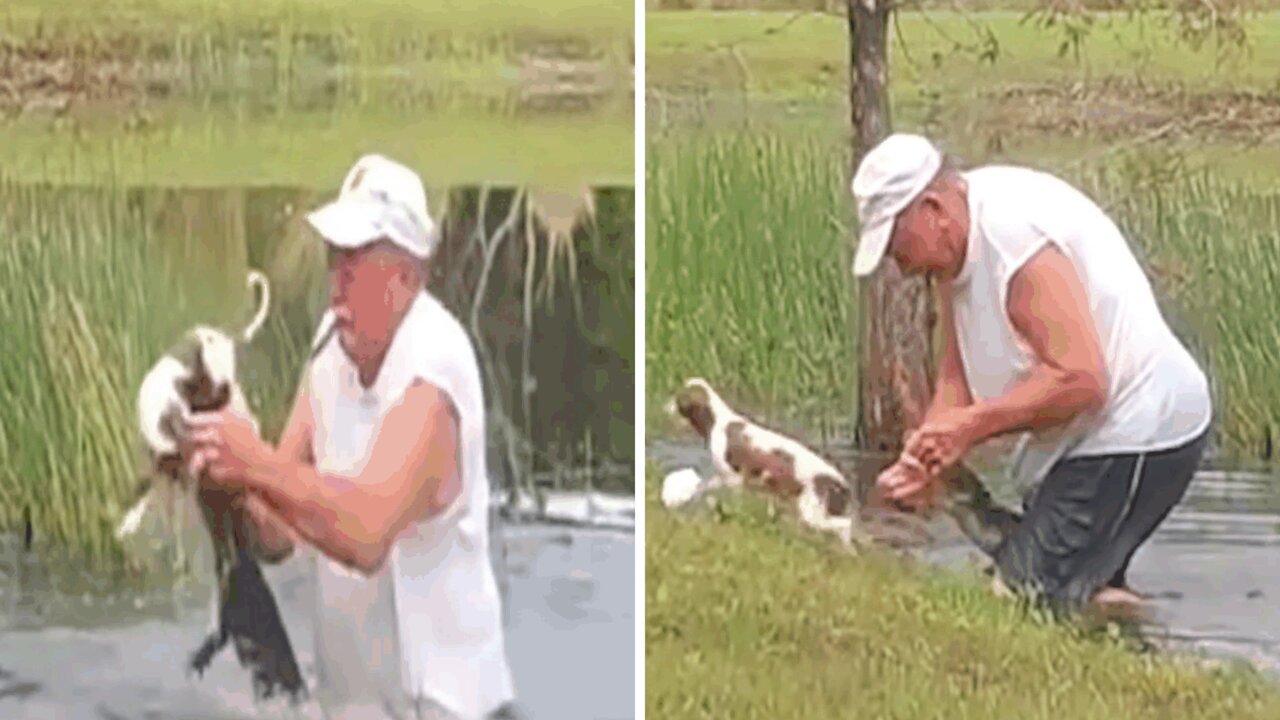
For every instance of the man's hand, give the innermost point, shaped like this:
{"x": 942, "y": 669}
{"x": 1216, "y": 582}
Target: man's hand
{"x": 945, "y": 438}
{"x": 906, "y": 483}
{"x": 274, "y": 538}
{"x": 226, "y": 447}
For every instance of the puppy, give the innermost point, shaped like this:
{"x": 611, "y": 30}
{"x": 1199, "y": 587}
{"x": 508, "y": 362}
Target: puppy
{"x": 200, "y": 376}
{"x": 749, "y": 455}
{"x": 205, "y": 355}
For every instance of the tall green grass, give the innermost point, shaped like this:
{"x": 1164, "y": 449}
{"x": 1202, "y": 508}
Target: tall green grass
{"x": 1213, "y": 250}
{"x": 745, "y": 271}
{"x": 748, "y": 281}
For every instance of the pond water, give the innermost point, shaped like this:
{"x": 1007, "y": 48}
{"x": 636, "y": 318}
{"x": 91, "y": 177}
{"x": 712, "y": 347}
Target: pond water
{"x": 569, "y": 602}
{"x": 1211, "y": 568}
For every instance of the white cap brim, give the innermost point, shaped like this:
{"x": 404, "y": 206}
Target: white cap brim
{"x": 871, "y": 247}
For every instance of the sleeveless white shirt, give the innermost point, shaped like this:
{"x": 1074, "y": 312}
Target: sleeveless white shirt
{"x": 1159, "y": 397}
{"x": 429, "y": 623}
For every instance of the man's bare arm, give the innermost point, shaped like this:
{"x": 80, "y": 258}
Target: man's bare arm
{"x": 273, "y": 535}
{"x": 1049, "y": 307}
{"x": 951, "y": 389}
{"x": 413, "y": 473}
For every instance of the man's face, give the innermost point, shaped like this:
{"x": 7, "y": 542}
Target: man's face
{"x": 363, "y": 283}
{"x": 925, "y": 238}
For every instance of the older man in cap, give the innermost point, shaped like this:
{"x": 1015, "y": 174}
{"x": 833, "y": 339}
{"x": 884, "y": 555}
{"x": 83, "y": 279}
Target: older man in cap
{"x": 1052, "y": 330}
{"x": 381, "y": 468}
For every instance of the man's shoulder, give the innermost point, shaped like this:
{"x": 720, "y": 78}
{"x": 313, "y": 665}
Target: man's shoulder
{"x": 1012, "y": 179}
{"x": 441, "y": 342}
{"x": 1015, "y": 205}
{"x": 440, "y": 327}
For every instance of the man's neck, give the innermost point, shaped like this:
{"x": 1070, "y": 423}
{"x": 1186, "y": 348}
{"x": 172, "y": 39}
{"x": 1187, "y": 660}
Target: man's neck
{"x": 368, "y": 369}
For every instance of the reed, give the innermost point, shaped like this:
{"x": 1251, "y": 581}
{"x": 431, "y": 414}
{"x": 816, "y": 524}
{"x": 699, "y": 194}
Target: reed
{"x": 746, "y": 271}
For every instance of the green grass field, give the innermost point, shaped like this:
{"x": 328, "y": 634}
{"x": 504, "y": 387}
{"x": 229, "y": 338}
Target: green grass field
{"x": 746, "y": 617}
{"x": 1131, "y": 85}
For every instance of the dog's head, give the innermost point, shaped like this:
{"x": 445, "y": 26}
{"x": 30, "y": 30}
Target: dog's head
{"x": 696, "y": 403}
{"x": 210, "y": 356}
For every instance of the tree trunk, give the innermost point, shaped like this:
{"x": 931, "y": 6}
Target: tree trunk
{"x": 895, "y": 382}
{"x": 868, "y": 74}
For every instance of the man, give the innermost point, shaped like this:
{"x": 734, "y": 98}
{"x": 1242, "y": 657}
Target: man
{"x": 1051, "y": 329}
{"x": 381, "y": 468}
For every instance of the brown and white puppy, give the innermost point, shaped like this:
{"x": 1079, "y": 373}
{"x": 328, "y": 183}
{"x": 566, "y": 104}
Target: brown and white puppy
{"x": 199, "y": 375}
{"x": 748, "y": 455}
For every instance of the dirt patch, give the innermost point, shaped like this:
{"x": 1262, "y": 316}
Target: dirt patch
{"x": 55, "y": 81}
{"x": 560, "y": 82}
{"x": 1134, "y": 108}
{"x": 39, "y": 80}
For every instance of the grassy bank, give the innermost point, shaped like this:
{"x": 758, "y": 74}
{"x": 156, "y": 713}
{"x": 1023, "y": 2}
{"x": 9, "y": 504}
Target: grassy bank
{"x": 748, "y": 281}
{"x": 747, "y": 618}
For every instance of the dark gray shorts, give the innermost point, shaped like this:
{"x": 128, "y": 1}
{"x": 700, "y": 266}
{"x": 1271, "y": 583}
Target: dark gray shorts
{"x": 1083, "y": 524}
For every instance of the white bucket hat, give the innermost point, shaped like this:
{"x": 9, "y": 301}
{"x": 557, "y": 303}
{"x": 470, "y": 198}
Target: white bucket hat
{"x": 888, "y": 179}
{"x": 380, "y": 198}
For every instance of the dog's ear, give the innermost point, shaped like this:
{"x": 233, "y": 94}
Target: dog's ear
{"x": 695, "y": 405}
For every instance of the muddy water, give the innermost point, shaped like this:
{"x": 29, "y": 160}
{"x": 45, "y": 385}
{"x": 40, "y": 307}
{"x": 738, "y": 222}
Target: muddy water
{"x": 1212, "y": 569}
{"x": 569, "y": 604}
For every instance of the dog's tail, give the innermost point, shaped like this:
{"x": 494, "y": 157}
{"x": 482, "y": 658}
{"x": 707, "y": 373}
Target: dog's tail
{"x": 257, "y": 278}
